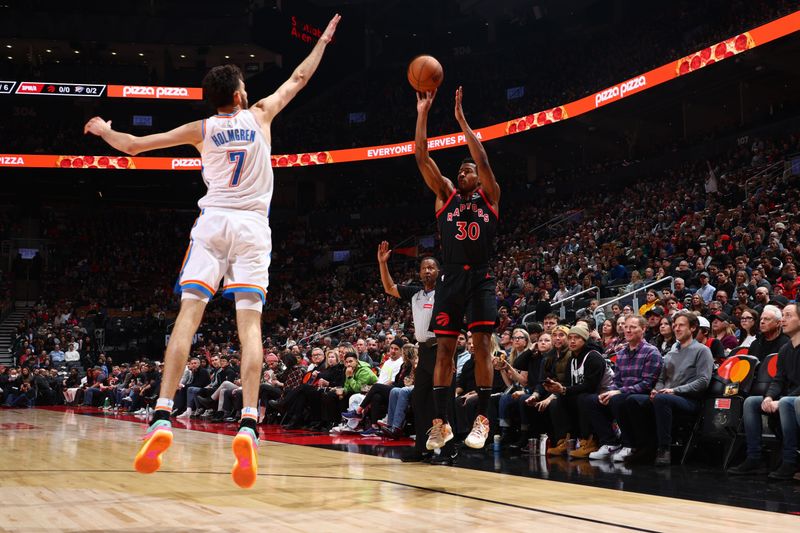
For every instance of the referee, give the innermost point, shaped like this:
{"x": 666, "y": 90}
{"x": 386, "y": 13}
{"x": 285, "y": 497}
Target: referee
{"x": 421, "y": 311}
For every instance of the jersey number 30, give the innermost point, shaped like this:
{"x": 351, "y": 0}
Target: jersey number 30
{"x": 237, "y": 158}
{"x": 471, "y": 231}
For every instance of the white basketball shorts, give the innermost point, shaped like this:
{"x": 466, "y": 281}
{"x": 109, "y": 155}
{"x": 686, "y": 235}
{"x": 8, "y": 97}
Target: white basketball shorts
{"x": 231, "y": 246}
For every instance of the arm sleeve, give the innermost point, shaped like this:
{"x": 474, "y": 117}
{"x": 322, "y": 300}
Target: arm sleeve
{"x": 407, "y": 291}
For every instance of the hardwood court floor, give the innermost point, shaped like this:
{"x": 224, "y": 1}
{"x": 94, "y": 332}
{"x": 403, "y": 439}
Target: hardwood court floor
{"x": 68, "y": 472}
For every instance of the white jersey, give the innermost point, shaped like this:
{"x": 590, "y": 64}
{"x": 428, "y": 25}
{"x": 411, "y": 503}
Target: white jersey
{"x": 237, "y": 168}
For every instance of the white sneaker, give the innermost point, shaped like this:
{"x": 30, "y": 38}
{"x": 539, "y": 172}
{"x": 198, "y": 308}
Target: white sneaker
{"x": 186, "y": 414}
{"x": 605, "y": 452}
{"x": 480, "y": 432}
{"x": 622, "y": 454}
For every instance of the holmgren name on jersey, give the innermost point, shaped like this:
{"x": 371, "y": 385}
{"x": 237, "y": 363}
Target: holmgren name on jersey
{"x": 226, "y": 136}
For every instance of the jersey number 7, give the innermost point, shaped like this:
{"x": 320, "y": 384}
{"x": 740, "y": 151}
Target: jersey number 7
{"x": 238, "y": 159}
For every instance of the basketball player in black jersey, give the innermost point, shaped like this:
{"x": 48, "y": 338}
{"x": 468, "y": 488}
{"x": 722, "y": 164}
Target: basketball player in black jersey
{"x": 467, "y": 215}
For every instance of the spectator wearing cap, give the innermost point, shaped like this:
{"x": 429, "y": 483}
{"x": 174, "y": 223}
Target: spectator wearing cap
{"x": 684, "y": 378}
{"x": 705, "y": 337}
{"x": 706, "y": 290}
{"x": 589, "y": 374}
{"x": 781, "y": 401}
{"x": 770, "y": 336}
{"x": 722, "y": 329}
{"x": 653, "y": 317}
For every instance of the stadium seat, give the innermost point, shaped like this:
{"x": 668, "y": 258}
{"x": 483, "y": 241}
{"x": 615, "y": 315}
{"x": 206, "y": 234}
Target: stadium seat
{"x": 720, "y": 419}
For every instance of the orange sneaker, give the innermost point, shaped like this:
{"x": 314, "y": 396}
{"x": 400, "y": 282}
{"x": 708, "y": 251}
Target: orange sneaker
{"x": 157, "y": 440}
{"x": 480, "y": 432}
{"x": 245, "y": 448}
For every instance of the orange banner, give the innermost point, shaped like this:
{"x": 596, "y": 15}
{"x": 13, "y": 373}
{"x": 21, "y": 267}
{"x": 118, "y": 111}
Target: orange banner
{"x": 685, "y": 65}
{"x": 147, "y": 91}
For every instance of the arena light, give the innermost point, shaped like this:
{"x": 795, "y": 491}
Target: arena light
{"x": 686, "y": 65}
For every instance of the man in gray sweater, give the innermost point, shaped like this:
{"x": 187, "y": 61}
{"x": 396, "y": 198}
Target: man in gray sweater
{"x": 683, "y": 381}
{"x": 782, "y": 399}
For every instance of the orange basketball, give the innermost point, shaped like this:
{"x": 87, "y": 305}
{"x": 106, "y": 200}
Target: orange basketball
{"x": 425, "y": 73}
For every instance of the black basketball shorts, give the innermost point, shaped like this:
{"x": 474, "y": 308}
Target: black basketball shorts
{"x": 465, "y": 296}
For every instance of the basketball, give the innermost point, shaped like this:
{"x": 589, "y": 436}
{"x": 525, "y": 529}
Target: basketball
{"x": 425, "y": 73}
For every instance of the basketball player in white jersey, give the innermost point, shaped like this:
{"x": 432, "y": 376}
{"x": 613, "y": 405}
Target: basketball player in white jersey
{"x": 230, "y": 241}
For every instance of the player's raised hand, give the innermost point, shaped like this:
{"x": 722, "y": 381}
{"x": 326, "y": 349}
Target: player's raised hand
{"x": 459, "y": 111}
{"x": 425, "y": 101}
{"x": 96, "y": 126}
{"x": 383, "y": 252}
{"x": 327, "y": 35}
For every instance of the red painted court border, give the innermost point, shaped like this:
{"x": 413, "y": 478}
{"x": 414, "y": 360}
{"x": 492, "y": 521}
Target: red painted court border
{"x": 267, "y": 432}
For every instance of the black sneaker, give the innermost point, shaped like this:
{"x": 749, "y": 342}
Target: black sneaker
{"x": 749, "y": 466}
{"x": 415, "y": 456}
{"x": 784, "y": 472}
{"x": 663, "y": 457}
{"x": 445, "y": 459}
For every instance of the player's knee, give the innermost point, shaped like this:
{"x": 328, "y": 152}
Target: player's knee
{"x": 194, "y": 295}
{"x": 248, "y": 301}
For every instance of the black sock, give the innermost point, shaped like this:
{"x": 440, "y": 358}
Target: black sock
{"x": 440, "y": 402}
{"x": 248, "y": 423}
{"x": 483, "y": 399}
{"x": 160, "y": 414}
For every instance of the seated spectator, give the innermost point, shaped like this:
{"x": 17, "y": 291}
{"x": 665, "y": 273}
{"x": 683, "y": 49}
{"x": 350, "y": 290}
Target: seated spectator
{"x": 193, "y": 376}
{"x": 638, "y": 368}
{"x": 712, "y": 343}
{"x": 651, "y": 301}
{"x": 681, "y": 292}
{"x": 781, "y": 401}
{"x": 653, "y": 317}
{"x": 684, "y": 378}
{"x": 524, "y": 402}
{"x": 589, "y": 374}
{"x": 706, "y": 290}
{"x": 400, "y": 398}
{"x": 358, "y": 375}
{"x": 665, "y": 338}
{"x": 514, "y": 372}
{"x": 770, "y": 337}
{"x": 723, "y": 330}
{"x": 748, "y": 329}
{"x": 608, "y": 336}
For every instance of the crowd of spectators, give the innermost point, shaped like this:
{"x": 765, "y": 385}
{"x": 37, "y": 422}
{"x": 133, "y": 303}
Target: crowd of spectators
{"x": 731, "y": 256}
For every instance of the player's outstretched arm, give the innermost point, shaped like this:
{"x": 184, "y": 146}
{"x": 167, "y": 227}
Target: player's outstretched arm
{"x": 389, "y": 286}
{"x": 440, "y": 185}
{"x": 476, "y": 150}
{"x": 268, "y": 107}
{"x": 191, "y": 133}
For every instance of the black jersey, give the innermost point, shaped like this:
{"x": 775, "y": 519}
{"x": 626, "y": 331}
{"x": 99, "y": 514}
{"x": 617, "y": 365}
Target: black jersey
{"x": 467, "y": 227}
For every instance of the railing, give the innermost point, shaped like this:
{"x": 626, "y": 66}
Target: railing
{"x": 558, "y": 219}
{"x": 635, "y": 303}
{"x": 562, "y": 312}
{"x": 333, "y": 329}
{"x": 761, "y": 174}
